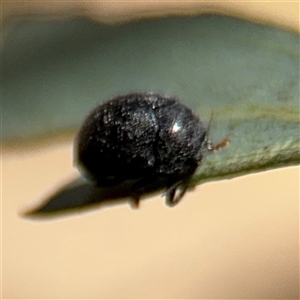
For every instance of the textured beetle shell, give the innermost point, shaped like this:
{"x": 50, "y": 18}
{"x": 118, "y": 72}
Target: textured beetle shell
{"x": 140, "y": 136}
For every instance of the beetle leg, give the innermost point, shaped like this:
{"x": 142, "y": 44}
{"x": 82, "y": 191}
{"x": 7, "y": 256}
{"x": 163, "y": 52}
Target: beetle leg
{"x": 135, "y": 201}
{"x": 140, "y": 188}
{"x": 171, "y": 198}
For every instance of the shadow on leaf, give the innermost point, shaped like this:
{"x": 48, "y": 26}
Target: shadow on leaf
{"x": 79, "y": 195}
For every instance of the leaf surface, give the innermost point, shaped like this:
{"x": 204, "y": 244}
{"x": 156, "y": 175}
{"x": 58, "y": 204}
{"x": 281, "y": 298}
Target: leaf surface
{"x": 54, "y": 73}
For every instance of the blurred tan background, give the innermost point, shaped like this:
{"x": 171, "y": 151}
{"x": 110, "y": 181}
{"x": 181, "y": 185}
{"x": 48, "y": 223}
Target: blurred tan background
{"x": 227, "y": 239}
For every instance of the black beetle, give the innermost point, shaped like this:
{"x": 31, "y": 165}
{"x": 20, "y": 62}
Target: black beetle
{"x": 145, "y": 138}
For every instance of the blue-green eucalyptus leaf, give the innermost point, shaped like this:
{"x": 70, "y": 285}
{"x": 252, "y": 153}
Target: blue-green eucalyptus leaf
{"x": 54, "y": 73}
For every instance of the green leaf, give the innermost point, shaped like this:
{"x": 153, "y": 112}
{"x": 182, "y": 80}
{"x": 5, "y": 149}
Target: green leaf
{"x": 54, "y": 73}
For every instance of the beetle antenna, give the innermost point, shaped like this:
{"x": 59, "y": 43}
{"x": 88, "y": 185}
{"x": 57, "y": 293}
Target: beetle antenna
{"x": 208, "y": 141}
{"x": 210, "y": 147}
